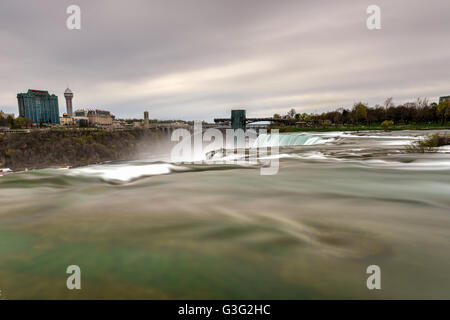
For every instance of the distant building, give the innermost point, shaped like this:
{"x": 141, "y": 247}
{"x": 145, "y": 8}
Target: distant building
{"x": 39, "y": 106}
{"x": 68, "y": 94}
{"x": 80, "y": 118}
{"x": 441, "y": 99}
{"x": 100, "y": 117}
{"x": 302, "y": 124}
{"x": 6, "y": 115}
{"x": 146, "y": 120}
{"x": 118, "y": 124}
{"x": 238, "y": 119}
{"x": 95, "y": 117}
{"x": 65, "y": 120}
{"x": 80, "y": 113}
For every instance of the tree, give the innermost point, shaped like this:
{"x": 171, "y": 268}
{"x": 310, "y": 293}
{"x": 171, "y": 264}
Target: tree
{"x": 291, "y": 114}
{"x": 359, "y": 112}
{"x": 387, "y": 104}
{"x": 418, "y": 111}
{"x": 443, "y": 110}
{"x": 276, "y": 116}
{"x": 346, "y": 116}
{"x": 3, "y": 122}
{"x": 422, "y": 103}
{"x": 22, "y": 122}
{"x": 304, "y": 117}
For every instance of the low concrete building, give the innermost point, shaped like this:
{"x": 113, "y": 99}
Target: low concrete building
{"x": 95, "y": 117}
{"x": 118, "y": 124}
{"x": 65, "y": 120}
{"x": 81, "y": 121}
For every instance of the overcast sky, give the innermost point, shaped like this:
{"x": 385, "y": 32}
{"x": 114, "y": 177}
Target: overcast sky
{"x": 198, "y": 59}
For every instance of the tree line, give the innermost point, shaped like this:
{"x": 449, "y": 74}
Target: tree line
{"x": 419, "y": 111}
{"x": 43, "y": 149}
{"x": 17, "y": 123}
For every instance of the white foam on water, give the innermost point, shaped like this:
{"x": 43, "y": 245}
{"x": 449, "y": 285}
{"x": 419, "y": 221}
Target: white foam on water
{"x": 285, "y": 140}
{"x": 427, "y": 165}
{"x": 5, "y": 171}
{"x": 124, "y": 172}
{"x": 397, "y": 143}
{"x": 276, "y": 156}
{"x": 444, "y": 149}
{"x": 312, "y": 156}
{"x": 431, "y": 164}
{"x": 362, "y": 136}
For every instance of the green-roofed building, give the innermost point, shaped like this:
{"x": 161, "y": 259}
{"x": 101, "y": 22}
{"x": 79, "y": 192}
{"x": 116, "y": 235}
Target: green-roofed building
{"x": 39, "y": 106}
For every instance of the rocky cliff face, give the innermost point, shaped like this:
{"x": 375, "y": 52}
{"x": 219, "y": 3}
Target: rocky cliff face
{"x": 62, "y": 148}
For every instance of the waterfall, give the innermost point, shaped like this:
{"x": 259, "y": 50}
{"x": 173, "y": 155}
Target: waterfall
{"x": 270, "y": 140}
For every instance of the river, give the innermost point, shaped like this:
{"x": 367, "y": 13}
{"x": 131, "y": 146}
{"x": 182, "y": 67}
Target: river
{"x": 149, "y": 229}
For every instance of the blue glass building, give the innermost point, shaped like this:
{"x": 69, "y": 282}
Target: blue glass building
{"x": 39, "y": 106}
{"x": 441, "y": 99}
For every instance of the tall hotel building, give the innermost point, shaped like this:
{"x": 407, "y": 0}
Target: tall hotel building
{"x": 39, "y": 106}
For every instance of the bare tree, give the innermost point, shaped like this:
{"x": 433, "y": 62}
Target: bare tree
{"x": 422, "y": 103}
{"x": 387, "y": 104}
{"x": 291, "y": 114}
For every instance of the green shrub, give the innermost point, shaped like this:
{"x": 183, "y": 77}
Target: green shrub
{"x": 386, "y": 124}
{"x": 429, "y": 144}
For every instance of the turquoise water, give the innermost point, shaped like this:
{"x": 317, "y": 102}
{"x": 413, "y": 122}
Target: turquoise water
{"x": 148, "y": 229}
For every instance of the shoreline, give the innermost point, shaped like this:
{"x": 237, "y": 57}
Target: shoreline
{"x": 62, "y": 149}
{"x": 359, "y": 128}
{"x": 129, "y": 149}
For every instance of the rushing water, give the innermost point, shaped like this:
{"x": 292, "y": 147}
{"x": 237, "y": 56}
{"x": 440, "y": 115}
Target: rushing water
{"x": 151, "y": 229}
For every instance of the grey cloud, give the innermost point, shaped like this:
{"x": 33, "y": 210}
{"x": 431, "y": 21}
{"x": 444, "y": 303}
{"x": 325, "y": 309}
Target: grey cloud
{"x": 198, "y": 59}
